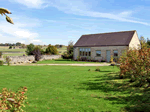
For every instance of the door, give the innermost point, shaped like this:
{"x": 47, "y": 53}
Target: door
{"x": 108, "y": 56}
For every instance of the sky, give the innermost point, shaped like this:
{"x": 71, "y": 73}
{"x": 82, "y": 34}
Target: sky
{"x": 60, "y": 21}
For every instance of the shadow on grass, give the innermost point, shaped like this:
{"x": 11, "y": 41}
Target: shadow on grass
{"x": 136, "y": 100}
{"x": 62, "y": 60}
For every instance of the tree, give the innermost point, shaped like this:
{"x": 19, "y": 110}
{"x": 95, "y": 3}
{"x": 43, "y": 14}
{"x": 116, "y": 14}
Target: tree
{"x": 69, "y": 54}
{"x": 70, "y": 48}
{"x": 143, "y": 42}
{"x": 4, "y": 11}
{"x": 51, "y": 49}
{"x": 148, "y": 42}
{"x": 10, "y": 47}
{"x": 37, "y": 53}
{"x": 30, "y": 48}
{"x": 18, "y": 44}
{"x": 23, "y": 45}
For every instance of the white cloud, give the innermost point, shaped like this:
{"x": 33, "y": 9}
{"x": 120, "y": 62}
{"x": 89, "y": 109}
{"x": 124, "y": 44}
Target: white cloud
{"x": 19, "y": 31}
{"x": 32, "y": 3}
{"x": 25, "y": 34}
{"x": 125, "y": 14}
{"x": 80, "y": 8}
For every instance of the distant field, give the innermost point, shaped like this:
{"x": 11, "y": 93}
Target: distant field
{"x": 11, "y": 51}
{"x": 13, "y": 54}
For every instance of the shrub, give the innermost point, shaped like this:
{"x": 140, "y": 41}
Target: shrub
{"x": 83, "y": 58}
{"x": 1, "y": 63}
{"x": 69, "y": 53}
{"x": 135, "y": 64}
{"x": 97, "y": 69}
{"x": 103, "y": 61}
{"x": 66, "y": 56}
{"x": 78, "y": 58}
{"x": 8, "y": 60}
{"x": 37, "y": 53}
{"x": 12, "y": 101}
{"x": 1, "y": 54}
{"x": 51, "y": 50}
{"x": 30, "y": 48}
{"x": 10, "y": 47}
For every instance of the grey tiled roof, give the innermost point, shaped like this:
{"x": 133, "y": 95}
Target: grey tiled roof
{"x": 121, "y": 38}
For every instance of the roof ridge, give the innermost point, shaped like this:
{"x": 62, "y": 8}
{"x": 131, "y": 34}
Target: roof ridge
{"x": 110, "y": 32}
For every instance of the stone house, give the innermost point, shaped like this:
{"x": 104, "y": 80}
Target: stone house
{"x": 104, "y": 45}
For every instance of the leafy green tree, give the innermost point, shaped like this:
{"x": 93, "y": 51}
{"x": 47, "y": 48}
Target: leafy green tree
{"x": 51, "y": 50}
{"x": 148, "y": 42}
{"x": 10, "y": 47}
{"x": 18, "y": 44}
{"x": 30, "y": 48}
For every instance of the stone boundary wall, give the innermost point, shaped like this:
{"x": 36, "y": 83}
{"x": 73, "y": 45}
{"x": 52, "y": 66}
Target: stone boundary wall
{"x": 31, "y": 58}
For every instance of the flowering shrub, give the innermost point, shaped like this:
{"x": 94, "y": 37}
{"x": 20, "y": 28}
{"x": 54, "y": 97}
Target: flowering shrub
{"x": 135, "y": 64}
{"x": 12, "y": 101}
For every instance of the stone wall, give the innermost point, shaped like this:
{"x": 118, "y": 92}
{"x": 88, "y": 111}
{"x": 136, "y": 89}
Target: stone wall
{"x": 30, "y": 59}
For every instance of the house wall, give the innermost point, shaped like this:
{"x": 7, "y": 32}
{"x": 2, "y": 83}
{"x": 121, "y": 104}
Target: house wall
{"x": 75, "y": 53}
{"x": 103, "y": 51}
{"x": 134, "y": 41}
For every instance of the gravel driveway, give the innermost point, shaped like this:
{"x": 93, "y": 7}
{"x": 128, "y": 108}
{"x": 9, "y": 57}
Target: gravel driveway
{"x": 103, "y": 64}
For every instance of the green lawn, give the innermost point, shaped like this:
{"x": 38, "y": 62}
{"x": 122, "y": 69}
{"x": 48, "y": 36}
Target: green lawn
{"x": 65, "y": 61}
{"x": 70, "y": 88}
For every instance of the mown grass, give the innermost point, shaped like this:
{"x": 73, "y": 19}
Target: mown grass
{"x": 65, "y": 61}
{"x": 72, "y": 89}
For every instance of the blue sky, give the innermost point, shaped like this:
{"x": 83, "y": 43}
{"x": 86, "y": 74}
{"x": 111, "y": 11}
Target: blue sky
{"x": 59, "y": 21}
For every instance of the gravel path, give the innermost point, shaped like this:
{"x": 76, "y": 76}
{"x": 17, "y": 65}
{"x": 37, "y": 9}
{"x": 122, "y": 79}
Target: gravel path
{"x": 104, "y": 64}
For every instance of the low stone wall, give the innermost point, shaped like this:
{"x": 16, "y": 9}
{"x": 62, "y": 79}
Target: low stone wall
{"x": 31, "y": 58}
{"x": 49, "y": 57}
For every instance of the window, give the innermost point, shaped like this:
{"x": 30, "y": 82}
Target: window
{"x": 80, "y": 51}
{"x": 85, "y": 51}
{"x": 98, "y": 53}
{"x": 116, "y": 53}
{"x": 89, "y": 52}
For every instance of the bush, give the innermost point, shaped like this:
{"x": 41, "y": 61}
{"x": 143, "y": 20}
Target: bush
{"x": 69, "y": 54}
{"x": 78, "y": 58}
{"x": 103, "y": 61}
{"x": 97, "y": 69}
{"x": 135, "y": 64}
{"x": 1, "y": 63}
{"x": 8, "y": 60}
{"x": 12, "y": 101}
{"x": 83, "y": 59}
{"x": 10, "y": 47}
{"x": 30, "y": 48}
{"x": 51, "y": 50}
{"x": 1, "y": 54}
{"x": 37, "y": 53}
